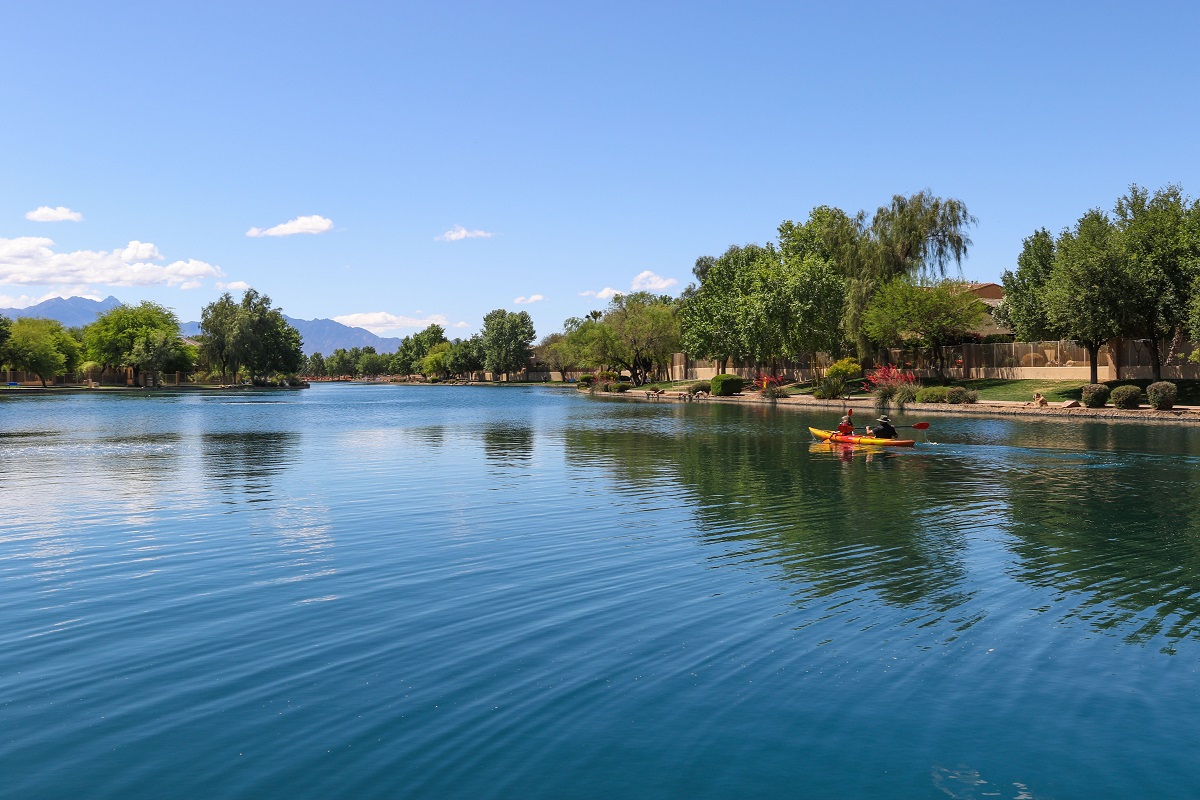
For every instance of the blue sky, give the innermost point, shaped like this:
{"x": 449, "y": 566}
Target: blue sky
{"x": 579, "y": 147}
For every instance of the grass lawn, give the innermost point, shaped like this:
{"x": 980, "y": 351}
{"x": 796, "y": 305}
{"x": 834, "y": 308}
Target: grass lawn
{"x": 1022, "y": 390}
{"x": 1058, "y": 391}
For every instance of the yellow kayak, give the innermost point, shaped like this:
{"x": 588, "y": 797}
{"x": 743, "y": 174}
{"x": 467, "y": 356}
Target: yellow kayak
{"x": 841, "y": 438}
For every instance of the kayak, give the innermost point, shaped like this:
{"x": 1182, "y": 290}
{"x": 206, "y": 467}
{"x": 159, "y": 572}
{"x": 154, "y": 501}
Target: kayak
{"x": 841, "y": 438}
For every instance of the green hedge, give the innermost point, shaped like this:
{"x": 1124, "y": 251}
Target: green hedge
{"x": 932, "y": 394}
{"x": 1126, "y": 397}
{"x": 1162, "y": 395}
{"x": 1095, "y": 395}
{"x": 726, "y": 385}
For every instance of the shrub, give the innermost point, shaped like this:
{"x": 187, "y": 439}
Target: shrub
{"x": 846, "y": 368}
{"x": 1162, "y": 395}
{"x": 773, "y": 392}
{"x": 607, "y": 376}
{"x": 586, "y": 380}
{"x": 703, "y": 386}
{"x": 932, "y": 394}
{"x": 1126, "y": 397}
{"x": 726, "y": 385}
{"x": 904, "y": 395}
{"x": 956, "y": 395}
{"x": 883, "y": 395}
{"x": 620, "y": 388}
{"x": 1033, "y": 360}
{"x": 885, "y": 381}
{"x": 1095, "y": 395}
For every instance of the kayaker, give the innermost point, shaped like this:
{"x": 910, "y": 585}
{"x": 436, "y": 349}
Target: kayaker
{"x": 846, "y": 426}
{"x": 885, "y": 429}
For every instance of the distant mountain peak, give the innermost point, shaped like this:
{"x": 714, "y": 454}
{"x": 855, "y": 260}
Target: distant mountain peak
{"x": 70, "y": 311}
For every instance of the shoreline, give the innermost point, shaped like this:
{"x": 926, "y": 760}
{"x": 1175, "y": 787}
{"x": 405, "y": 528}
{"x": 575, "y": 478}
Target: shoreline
{"x": 1001, "y": 408}
{"x": 16, "y": 391}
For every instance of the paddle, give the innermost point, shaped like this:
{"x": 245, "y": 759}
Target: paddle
{"x": 921, "y": 426}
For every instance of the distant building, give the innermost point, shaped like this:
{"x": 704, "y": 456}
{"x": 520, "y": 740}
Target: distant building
{"x": 991, "y": 294}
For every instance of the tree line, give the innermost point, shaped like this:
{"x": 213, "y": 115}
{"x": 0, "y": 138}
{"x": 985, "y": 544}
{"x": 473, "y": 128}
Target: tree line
{"x": 834, "y": 284}
{"x": 248, "y": 338}
{"x": 1132, "y": 273}
{"x": 503, "y": 346}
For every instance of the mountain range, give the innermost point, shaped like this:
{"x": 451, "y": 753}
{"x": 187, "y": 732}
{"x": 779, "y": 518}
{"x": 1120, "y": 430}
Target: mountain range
{"x": 70, "y": 311}
{"x": 319, "y": 335}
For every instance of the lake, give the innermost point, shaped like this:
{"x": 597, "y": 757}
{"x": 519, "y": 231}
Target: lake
{"x": 523, "y": 592}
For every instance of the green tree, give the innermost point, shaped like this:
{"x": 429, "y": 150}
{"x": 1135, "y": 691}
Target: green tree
{"x": 340, "y": 363}
{"x": 916, "y": 237}
{"x": 373, "y": 363}
{"x": 1024, "y": 307}
{"x": 935, "y": 314}
{"x": 436, "y": 362}
{"x": 5, "y": 331}
{"x": 222, "y": 334}
{"x": 404, "y": 360}
{"x": 315, "y": 366}
{"x": 714, "y": 318}
{"x": 41, "y": 346}
{"x": 1161, "y": 252}
{"x": 1087, "y": 294}
{"x": 556, "y": 353}
{"x": 466, "y": 357}
{"x": 506, "y": 340}
{"x": 589, "y": 341}
{"x": 643, "y": 334}
{"x": 812, "y": 296}
{"x": 268, "y": 343}
{"x": 112, "y": 338}
{"x": 154, "y": 351}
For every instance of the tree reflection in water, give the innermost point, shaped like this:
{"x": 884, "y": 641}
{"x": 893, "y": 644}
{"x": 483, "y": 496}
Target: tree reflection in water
{"x": 1116, "y": 537}
{"x": 249, "y": 460}
{"x": 832, "y": 526}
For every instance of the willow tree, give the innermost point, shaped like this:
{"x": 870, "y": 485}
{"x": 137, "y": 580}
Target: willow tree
{"x": 915, "y": 237}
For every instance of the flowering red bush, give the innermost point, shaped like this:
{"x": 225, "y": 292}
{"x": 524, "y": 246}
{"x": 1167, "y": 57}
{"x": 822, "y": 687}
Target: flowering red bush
{"x": 762, "y": 380}
{"x": 888, "y": 376}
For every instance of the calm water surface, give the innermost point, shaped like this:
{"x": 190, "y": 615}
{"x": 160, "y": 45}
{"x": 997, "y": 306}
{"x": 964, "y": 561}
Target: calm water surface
{"x": 440, "y": 592}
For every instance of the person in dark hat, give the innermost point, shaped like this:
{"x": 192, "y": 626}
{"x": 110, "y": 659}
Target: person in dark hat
{"x": 884, "y": 430}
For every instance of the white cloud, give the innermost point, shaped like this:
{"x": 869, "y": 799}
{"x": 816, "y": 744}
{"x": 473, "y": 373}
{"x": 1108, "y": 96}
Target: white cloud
{"x": 30, "y": 261}
{"x": 461, "y": 325}
{"x": 237, "y": 286}
{"x": 458, "y": 233}
{"x": 603, "y": 294}
{"x": 523, "y": 300}
{"x": 379, "y": 322}
{"x": 58, "y": 214}
{"x": 17, "y": 301}
{"x": 648, "y": 281}
{"x": 311, "y": 224}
